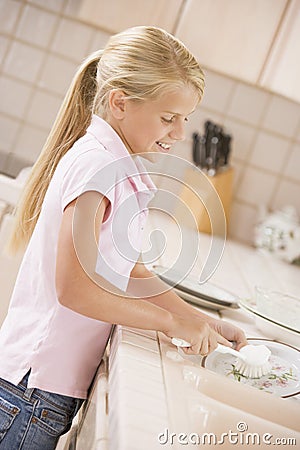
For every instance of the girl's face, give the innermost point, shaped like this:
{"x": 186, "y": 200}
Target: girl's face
{"x": 152, "y": 125}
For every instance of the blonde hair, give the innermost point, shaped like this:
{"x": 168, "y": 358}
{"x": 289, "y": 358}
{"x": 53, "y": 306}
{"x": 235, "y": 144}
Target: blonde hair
{"x": 143, "y": 62}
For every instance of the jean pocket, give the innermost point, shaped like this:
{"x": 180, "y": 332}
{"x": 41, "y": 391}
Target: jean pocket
{"x": 52, "y": 421}
{"x": 8, "y": 413}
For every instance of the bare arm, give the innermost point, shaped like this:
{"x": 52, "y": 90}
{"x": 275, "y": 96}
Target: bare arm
{"x": 142, "y": 280}
{"x": 82, "y": 290}
{"x": 143, "y": 283}
{"x": 78, "y": 286}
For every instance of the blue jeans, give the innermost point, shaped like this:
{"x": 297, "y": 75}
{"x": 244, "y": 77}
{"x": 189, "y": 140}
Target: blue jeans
{"x": 32, "y": 419}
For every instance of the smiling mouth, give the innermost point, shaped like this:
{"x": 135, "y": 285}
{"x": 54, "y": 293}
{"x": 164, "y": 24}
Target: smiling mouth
{"x": 163, "y": 146}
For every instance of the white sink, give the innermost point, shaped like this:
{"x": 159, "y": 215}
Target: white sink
{"x": 201, "y": 401}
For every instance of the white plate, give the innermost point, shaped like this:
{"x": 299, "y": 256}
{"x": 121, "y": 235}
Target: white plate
{"x": 198, "y": 301}
{"x": 284, "y": 321}
{"x": 208, "y": 294}
{"x": 284, "y": 378}
{"x": 274, "y": 330}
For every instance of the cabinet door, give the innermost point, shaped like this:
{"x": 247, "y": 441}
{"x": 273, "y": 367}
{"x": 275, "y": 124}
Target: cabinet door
{"x": 117, "y": 15}
{"x": 282, "y": 71}
{"x": 231, "y": 36}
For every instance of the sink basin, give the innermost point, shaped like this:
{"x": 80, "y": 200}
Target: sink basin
{"x": 201, "y": 401}
{"x": 283, "y": 412}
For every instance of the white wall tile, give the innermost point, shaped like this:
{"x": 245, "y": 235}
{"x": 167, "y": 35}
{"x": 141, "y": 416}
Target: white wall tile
{"x": 3, "y": 158}
{"x": 256, "y": 187}
{"x": 8, "y": 129}
{"x": 292, "y": 169}
{"x": 14, "y": 164}
{"x": 72, "y": 7}
{"x": 9, "y": 10}
{"x": 248, "y": 104}
{"x": 197, "y": 119}
{"x": 43, "y": 109}
{"x": 30, "y": 142}
{"x": 23, "y": 61}
{"x": 57, "y": 74}
{"x": 14, "y": 97}
{"x": 53, "y": 5}
{"x": 72, "y": 39}
{"x": 36, "y": 26}
{"x": 4, "y": 41}
{"x": 117, "y": 15}
{"x": 242, "y": 138}
{"x": 239, "y": 169}
{"x": 282, "y": 116}
{"x": 287, "y": 194}
{"x": 218, "y": 90}
{"x": 269, "y": 152}
{"x": 183, "y": 150}
{"x": 242, "y": 220}
{"x": 99, "y": 40}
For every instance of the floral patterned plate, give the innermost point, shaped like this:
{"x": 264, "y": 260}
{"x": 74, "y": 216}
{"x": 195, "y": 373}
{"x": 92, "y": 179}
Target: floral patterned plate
{"x": 284, "y": 378}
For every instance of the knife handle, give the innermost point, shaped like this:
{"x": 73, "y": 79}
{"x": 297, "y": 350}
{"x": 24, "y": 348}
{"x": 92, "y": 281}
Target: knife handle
{"x": 196, "y": 156}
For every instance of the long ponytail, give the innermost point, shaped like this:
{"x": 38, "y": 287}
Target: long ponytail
{"x": 72, "y": 120}
{"x": 143, "y": 62}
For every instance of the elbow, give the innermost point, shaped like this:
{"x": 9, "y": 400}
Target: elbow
{"x": 65, "y": 295}
{"x": 63, "y": 298}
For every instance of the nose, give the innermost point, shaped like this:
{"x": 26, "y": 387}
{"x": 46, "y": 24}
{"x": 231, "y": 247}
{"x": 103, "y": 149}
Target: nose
{"x": 178, "y": 131}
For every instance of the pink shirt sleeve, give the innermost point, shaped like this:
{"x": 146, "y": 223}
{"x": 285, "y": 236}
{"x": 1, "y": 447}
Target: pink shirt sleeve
{"x": 93, "y": 170}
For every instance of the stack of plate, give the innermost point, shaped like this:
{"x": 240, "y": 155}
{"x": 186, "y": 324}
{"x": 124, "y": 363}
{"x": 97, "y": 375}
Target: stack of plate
{"x": 284, "y": 327}
{"x": 207, "y": 295}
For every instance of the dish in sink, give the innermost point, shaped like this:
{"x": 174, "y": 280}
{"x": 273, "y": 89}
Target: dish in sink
{"x": 284, "y": 378}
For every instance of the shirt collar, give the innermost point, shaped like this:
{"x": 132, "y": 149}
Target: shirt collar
{"x": 133, "y": 166}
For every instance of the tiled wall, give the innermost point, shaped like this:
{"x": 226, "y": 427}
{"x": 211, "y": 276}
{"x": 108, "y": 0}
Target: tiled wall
{"x": 41, "y": 46}
{"x": 42, "y": 43}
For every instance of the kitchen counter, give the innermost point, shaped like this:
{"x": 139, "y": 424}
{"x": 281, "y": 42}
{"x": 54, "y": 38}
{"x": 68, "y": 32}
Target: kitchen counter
{"x": 145, "y": 389}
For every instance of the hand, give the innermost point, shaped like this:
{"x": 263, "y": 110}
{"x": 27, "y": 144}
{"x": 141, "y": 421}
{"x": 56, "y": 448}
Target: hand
{"x": 230, "y": 332}
{"x": 202, "y": 337}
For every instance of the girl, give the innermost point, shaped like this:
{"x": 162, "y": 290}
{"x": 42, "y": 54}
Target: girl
{"x": 74, "y": 282}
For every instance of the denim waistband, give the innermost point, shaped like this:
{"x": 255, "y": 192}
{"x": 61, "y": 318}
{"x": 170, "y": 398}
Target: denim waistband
{"x": 61, "y": 402}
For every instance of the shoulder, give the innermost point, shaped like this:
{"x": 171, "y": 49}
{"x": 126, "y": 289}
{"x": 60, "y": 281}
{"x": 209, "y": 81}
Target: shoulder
{"x": 84, "y": 159}
{"x": 91, "y": 152}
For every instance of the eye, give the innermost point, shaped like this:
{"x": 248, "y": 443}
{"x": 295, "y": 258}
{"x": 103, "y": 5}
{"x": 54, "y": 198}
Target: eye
{"x": 171, "y": 120}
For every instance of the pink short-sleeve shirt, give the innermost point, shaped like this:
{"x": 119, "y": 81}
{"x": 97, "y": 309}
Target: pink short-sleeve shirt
{"x": 61, "y": 347}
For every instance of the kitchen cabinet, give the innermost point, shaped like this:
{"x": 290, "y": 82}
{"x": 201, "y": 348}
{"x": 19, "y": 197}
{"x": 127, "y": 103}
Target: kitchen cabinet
{"x": 231, "y": 36}
{"x": 282, "y": 71}
{"x": 117, "y": 15}
{"x": 257, "y": 41}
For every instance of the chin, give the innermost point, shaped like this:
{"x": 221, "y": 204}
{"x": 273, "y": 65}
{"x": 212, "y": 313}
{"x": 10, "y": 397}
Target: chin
{"x": 151, "y": 156}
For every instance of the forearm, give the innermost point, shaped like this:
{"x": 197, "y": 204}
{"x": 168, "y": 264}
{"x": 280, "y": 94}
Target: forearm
{"x": 80, "y": 289}
{"x": 147, "y": 283}
{"x": 85, "y": 297}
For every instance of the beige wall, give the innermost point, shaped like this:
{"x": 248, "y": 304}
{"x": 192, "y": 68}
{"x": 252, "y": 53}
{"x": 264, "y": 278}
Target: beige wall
{"x": 41, "y": 44}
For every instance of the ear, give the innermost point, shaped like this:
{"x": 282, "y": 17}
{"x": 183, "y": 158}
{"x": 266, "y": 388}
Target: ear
{"x": 116, "y": 101}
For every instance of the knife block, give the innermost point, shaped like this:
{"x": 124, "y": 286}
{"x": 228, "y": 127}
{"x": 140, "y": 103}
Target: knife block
{"x": 196, "y": 192}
